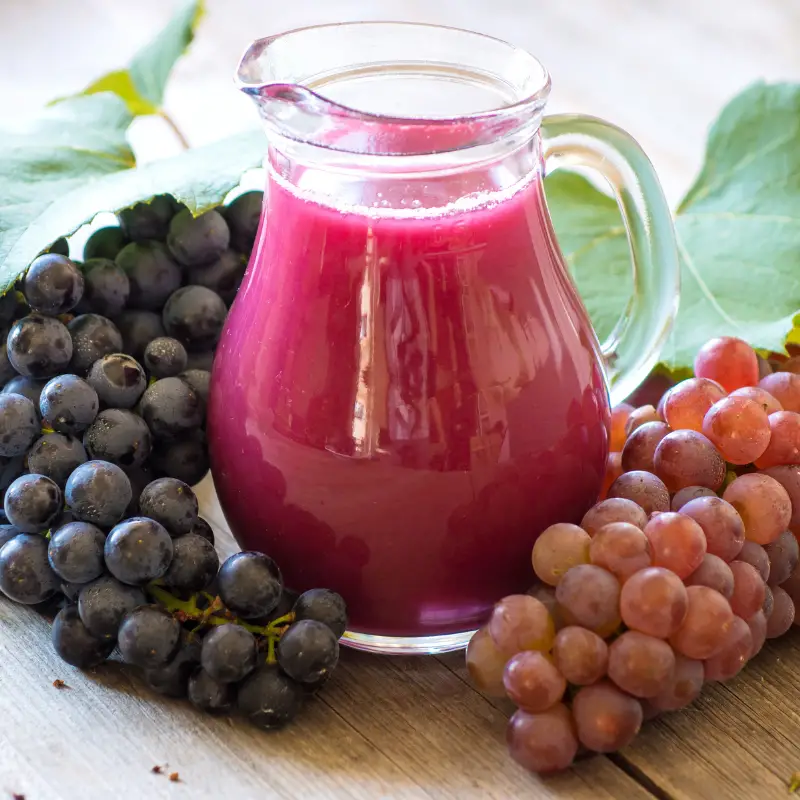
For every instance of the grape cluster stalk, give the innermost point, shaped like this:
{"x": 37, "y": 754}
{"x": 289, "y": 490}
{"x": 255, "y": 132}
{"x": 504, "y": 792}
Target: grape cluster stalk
{"x": 675, "y": 578}
{"x": 104, "y": 368}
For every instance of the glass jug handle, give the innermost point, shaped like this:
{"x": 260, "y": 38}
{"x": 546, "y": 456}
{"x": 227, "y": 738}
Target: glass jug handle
{"x": 633, "y": 348}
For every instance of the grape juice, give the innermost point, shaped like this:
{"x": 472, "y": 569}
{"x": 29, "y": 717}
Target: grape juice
{"x": 402, "y": 401}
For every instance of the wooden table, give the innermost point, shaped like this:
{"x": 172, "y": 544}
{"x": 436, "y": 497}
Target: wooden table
{"x": 401, "y": 727}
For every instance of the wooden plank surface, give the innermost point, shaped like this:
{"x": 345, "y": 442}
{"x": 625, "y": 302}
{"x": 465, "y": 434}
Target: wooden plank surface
{"x": 399, "y": 728}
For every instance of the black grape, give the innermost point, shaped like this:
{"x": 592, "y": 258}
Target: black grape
{"x": 7, "y": 533}
{"x": 194, "y": 564}
{"x": 68, "y": 404}
{"x": 152, "y": 273}
{"x": 202, "y": 528}
{"x": 172, "y": 678}
{"x": 203, "y": 359}
{"x": 103, "y": 603}
{"x": 98, "y": 492}
{"x": 138, "y": 329}
{"x": 198, "y": 240}
{"x": 170, "y": 407}
{"x": 59, "y": 246}
{"x": 118, "y": 379}
{"x": 269, "y": 699}
{"x": 308, "y": 651}
{"x": 7, "y": 371}
{"x": 75, "y": 552}
{"x": 19, "y": 424}
{"x": 148, "y": 220}
{"x": 185, "y": 459}
{"x": 195, "y": 315}
{"x": 25, "y": 573}
{"x": 39, "y": 346}
{"x": 199, "y": 380}
{"x": 27, "y": 387}
{"x": 165, "y": 357}
{"x": 93, "y": 336}
{"x": 324, "y": 606}
{"x": 229, "y": 653}
{"x": 104, "y": 243}
{"x": 118, "y": 436}
{"x": 243, "y": 216}
{"x": 148, "y": 636}
{"x": 222, "y": 276}
{"x": 33, "y": 503}
{"x": 250, "y": 584}
{"x": 75, "y": 644}
{"x": 107, "y": 287}
{"x": 138, "y": 551}
{"x": 10, "y": 470}
{"x": 170, "y": 502}
{"x": 56, "y": 456}
{"x": 53, "y": 284}
{"x": 208, "y": 694}
{"x": 139, "y": 476}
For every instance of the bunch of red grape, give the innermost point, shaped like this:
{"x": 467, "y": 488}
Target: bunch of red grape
{"x": 674, "y": 579}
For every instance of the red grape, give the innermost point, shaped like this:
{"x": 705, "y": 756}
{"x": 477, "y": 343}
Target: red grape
{"x": 783, "y": 554}
{"x": 758, "y": 630}
{"x": 533, "y": 682}
{"x": 677, "y": 542}
{"x": 654, "y": 601}
{"x": 789, "y": 478}
{"x": 544, "y": 742}
{"x": 580, "y": 655}
{"x": 640, "y": 416}
{"x": 739, "y": 428}
{"x": 641, "y": 665}
{"x": 689, "y": 493}
{"x": 621, "y": 548}
{"x": 763, "y": 504}
{"x": 688, "y": 402}
{"x": 784, "y": 387}
{"x": 521, "y": 622}
{"x": 729, "y": 361}
{"x": 589, "y": 596}
{"x": 769, "y": 602}
{"x": 641, "y": 446}
{"x": 485, "y": 664}
{"x": 615, "y": 509}
{"x": 706, "y": 625}
{"x": 547, "y": 596}
{"x": 558, "y": 548}
{"x": 782, "y": 616}
{"x": 613, "y": 471}
{"x": 687, "y": 458}
{"x": 619, "y": 418}
{"x": 644, "y": 488}
{"x": 784, "y": 443}
{"x": 760, "y": 396}
{"x": 755, "y": 555}
{"x": 714, "y": 573}
{"x": 748, "y": 589}
{"x": 721, "y": 524}
{"x": 734, "y": 654}
{"x": 606, "y": 718}
{"x": 685, "y": 686}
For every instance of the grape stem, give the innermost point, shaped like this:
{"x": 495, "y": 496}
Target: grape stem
{"x": 217, "y": 614}
{"x": 179, "y": 135}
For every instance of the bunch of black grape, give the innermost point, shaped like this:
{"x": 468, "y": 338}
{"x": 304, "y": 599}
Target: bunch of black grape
{"x": 151, "y": 585}
{"x": 105, "y": 375}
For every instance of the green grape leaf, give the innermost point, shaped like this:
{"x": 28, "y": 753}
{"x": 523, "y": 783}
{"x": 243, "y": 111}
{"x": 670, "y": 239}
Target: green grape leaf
{"x": 738, "y": 232}
{"x": 141, "y": 86}
{"x": 69, "y": 146}
{"x": 200, "y": 178}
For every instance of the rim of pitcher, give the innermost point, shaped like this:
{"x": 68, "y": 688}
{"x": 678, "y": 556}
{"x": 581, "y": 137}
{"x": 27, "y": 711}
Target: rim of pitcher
{"x": 532, "y": 102}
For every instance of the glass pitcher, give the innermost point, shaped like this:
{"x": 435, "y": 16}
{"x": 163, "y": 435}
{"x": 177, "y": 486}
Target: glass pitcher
{"x": 408, "y": 389}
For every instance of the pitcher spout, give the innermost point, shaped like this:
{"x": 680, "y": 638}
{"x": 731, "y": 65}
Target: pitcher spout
{"x": 351, "y": 87}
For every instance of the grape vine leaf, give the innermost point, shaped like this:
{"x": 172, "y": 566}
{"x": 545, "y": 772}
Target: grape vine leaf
{"x": 738, "y": 231}
{"x": 68, "y": 146}
{"x": 141, "y": 86}
{"x": 200, "y": 177}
